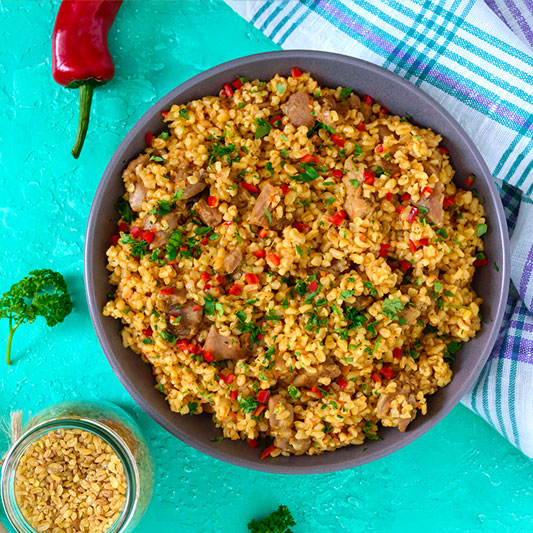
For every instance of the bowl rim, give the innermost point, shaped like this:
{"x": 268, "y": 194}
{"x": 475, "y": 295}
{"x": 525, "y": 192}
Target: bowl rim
{"x": 498, "y": 224}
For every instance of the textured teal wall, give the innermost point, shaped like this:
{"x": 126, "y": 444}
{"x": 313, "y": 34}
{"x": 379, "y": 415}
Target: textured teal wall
{"x": 461, "y": 476}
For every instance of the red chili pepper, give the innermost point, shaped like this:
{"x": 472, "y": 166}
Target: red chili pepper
{"x": 270, "y": 449}
{"x": 164, "y": 114}
{"x": 379, "y": 149}
{"x": 220, "y": 279}
{"x": 249, "y": 187}
{"x": 427, "y": 190}
{"x": 470, "y": 179}
{"x": 208, "y": 356}
{"x": 383, "y": 111}
{"x": 308, "y": 158}
{"x": 276, "y": 121}
{"x": 122, "y": 227}
{"x": 337, "y": 218}
{"x": 296, "y": 72}
{"x": 229, "y": 378}
{"x": 480, "y": 262}
{"x": 263, "y": 396}
{"x": 205, "y": 276}
{"x": 337, "y": 173}
{"x": 235, "y": 290}
{"x": 412, "y": 215}
{"x": 167, "y": 291}
{"x": 114, "y": 239}
{"x": 405, "y": 197}
{"x": 228, "y": 90}
{"x": 443, "y": 150}
{"x": 234, "y": 394}
{"x": 389, "y": 196}
{"x": 285, "y": 189}
{"x": 405, "y": 266}
{"x": 313, "y": 286}
{"x": 317, "y": 391}
{"x": 251, "y": 279}
{"x": 367, "y": 99}
{"x": 273, "y": 258}
{"x": 259, "y": 409}
{"x": 342, "y": 383}
{"x": 204, "y": 241}
{"x": 260, "y": 253}
{"x": 368, "y": 176}
{"x": 148, "y": 236}
{"x": 397, "y": 353}
{"x": 207, "y": 286}
{"x": 262, "y": 233}
{"x": 448, "y": 201}
{"x": 253, "y": 443}
{"x": 400, "y": 208}
{"x": 338, "y": 141}
{"x": 361, "y": 126}
{"x": 136, "y": 232}
{"x": 422, "y": 242}
{"x": 147, "y": 332}
{"x": 149, "y": 139}
{"x": 183, "y": 345}
{"x": 301, "y": 227}
{"x": 384, "y": 250}
{"x": 412, "y": 245}
{"x": 211, "y": 201}
{"x": 196, "y": 308}
{"x": 387, "y": 372}
{"x": 80, "y": 57}
{"x": 237, "y": 83}
{"x": 376, "y": 377}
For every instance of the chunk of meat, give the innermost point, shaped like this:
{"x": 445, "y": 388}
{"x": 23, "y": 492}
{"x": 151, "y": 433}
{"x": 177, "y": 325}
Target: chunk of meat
{"x": 210, "y": 216}
{"x": 182, "y": 183}
{"x": 184, "y": 320}
{"x": 338, "y": 266}
{"x": 298, "y": 109}
{"x": 326, "y": 370}
{"x": 406, "y": 389}
{"x": 163, "y": 228}
{"x": 433, "y": 204}
{"x": 329, "y": 104}
{"x": 233, "y": 260}
{"x": 138, "y": 196}
{"x": 431, "y": 169}
{"x": 263, "y": 204}
{"x": 362, "y": 301}
{"x": 384, "y": 131}
{"x": 281, "y": 413}
{"x": 223, "y": 347}
{"x": 354, "y": 204}
{"x": 292, "y": 445}
{"x": 366, "y": 110}
{"x": 387, "y": 166}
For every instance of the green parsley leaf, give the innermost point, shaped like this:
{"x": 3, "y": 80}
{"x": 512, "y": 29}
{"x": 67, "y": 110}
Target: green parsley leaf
{"x": 123, "y": 208}
{"x": 481, "y": 230}
{"x": 358, "y": 151}
{"x": 184, "y": 114}
{"x": 193, "y": 407}
{"x": 345, "y": 92}
{"x": 346, "y": 294}
{"x": 280, "y": 88}
{"x": 277, "y": 522}
{"x": 442, "y": 232}
{"x": 391, "y": 307}
{"x": 369, "y": 285}
{"x": 263, "y": 127}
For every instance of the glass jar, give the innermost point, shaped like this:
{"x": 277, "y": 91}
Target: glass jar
{"x": 104, "y": 420}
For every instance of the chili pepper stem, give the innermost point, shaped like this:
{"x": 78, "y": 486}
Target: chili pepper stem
{"x": 86, "y": 96}
{"x": 10, "y": 338}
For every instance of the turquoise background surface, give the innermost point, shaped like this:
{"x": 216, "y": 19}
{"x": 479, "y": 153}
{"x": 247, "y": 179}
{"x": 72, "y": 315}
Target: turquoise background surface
{"x": 461, "y": 476}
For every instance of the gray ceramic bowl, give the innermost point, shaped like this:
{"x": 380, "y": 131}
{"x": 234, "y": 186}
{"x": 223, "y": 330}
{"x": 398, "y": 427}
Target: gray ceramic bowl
{"x": 399, "y": 96}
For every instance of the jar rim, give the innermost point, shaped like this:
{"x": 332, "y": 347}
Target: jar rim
{"x": 101, "y": 430}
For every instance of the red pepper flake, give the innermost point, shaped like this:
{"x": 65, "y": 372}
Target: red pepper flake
{"x": 260, "y": 336}
{"x": 387, "y": 372}
{"x": 229, "y": 378}
{"x": 276, "y": 121}
{"x": 412, "y": 215}
{"x": 405, "y": 266}
{"x": 384, "y": 250}
{"x": 164, "y": 114}
{"x": 313, "y": 286}
{"x": 308, "y": 158}
{"x": 405, "y": 197}
{"x": 249, "y": 187}
{"x": 296, "y": 72}
{"x": 149, "y": 138}
{"x": 207, "y": 286}
{"x": 228, "y": 223}
{"x": 167, "y": 291}
{"x": 237, "y": 83}
{"x": 397, "y": 353}
{"x": 234, "y": 394}
{"x": 114, "y": 239}
{"x": 220, "y": 279}
{"x": 147, "y": 332}
{"x": 412, "y": 245}
{"x": 400, "y": 208}
{"x": 196, "y": 308}
{"x": 253, "y": 443}
{"x": 389, "y": 196}
{"x": 301, "y": 227}
{"x": 427, "y": 191}
{"x": 136, "y": 232}
{"x": 235, "y": 290}
{"x": 338, "y": 217}
{"x": 376, "y": 377}
{"x": 148, "y": 236}
{"x": 211, "y": 201}
{"x": 204, "y": 241}
{"x": 379, "y": 149}
{"x": 260, "y": 253}
{"x": 383, "y": 111}
{"x": 183, "y": 345}
{"x": 470, "y": 179}
{"x": 338, "y": 141}
{"x": 443, "y": 150}
{"x": 422, "y": 242}
{"x": 342, "y": 383}
{"x": 480, "y": 262}
{"x": 122, "y": 227}
{"x": 285, "y": 189}
{"x": 208, "y": 356}
{"x": 228, "y": 90}
{"x": 271, "y": 448}
{"x": 368, "y": 176}
{"x": 337, "y": 173}
{"x": 361, "y": 126}
{"x": 448, "y": 201}
{"x": 317, "y": 391}
{"x": 259, "y": 410}
{"x": 262, "y": 233}
{"x": 205, "y": 276}
{"x": 273, "y": 258}
{"x": 367, "y": 99}
{"x": 251, "y": 279}
{"x": 263, "y": 396}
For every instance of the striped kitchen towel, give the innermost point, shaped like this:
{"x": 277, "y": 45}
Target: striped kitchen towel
{"x": 476, "y": 58}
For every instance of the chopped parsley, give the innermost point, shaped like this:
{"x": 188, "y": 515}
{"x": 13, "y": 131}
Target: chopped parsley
{"x": 294, "y": 392}
{"x": 248, "y": 404}
{"x": 263, "y": 127}
{"x": 173, "y": 244}
{"x": 358, "y": 151}
{"x": 123, "y": 208}
{"x": 310, "y": 173}
{"x": 371, "y": 287}
{"x": 280, "y": 88}
{"x": 390, "y": 308}
{"x": 345, "y": 92}
{"x": 138, "y": 248}
{"x": 184, "y": 114}
{"x": 193, "y": 407}
{"x": 277, "y": 522}
{"x": 481, "y": 230}
{"x": 442, "y": 232}
{"x": 452, "y": 348}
